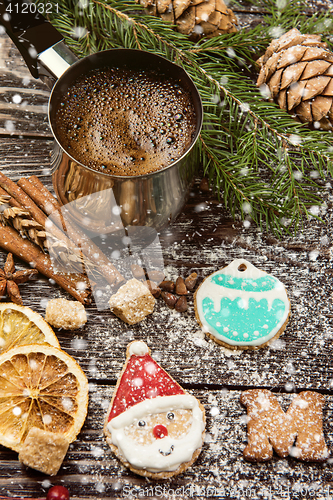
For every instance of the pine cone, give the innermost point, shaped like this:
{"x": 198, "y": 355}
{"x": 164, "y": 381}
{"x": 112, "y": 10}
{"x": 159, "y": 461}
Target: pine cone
{"x": 298, "y": 70}
{"x": 194, "y": 17}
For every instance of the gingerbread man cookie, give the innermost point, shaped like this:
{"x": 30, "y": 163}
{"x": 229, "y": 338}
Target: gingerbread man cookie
{"x": 153, "y": 426}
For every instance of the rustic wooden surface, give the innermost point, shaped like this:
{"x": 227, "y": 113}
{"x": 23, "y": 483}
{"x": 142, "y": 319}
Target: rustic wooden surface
{"x": 202, "y": 239}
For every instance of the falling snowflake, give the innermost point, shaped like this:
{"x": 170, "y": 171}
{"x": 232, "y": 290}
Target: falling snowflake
{"x": 230, "y": 51}
{"x": 314, "y": 210}
{"x": 83, "y": 4}
{"x": 289, "y": 386}
{"x": 79, "y": 32}
{"x": 214, "y": 411}
{"x": 67, "y": 404}
{"x": 264, "y": 91}
{"x": 276, "y": 32}
{"x": 9, "y": 126}
{"x": 17, "y": 99}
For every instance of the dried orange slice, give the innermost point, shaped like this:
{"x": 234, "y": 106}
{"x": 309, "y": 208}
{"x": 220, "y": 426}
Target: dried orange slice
{"x": 40, "y": 386}
{"x": 20, "y": 325}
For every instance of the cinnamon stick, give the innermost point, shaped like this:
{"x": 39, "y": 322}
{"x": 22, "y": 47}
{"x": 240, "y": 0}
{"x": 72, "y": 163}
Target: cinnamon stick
{"x": 50, "y": 202}
{"x": 24, "y": 201}
{"x": 21, "y": 200}
{"x": 44, "y": 200}
{"x": 12, "y": 242}
{"x": 12, "y": 202}
{"x": 19, "y": 195}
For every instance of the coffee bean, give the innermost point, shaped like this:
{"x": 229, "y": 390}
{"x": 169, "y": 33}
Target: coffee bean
{"x": 167, "y": 286}
{"x": 181, "y": 304}
{"x": 153, "y": 288}
{"x": 156, "y": 276}
{"x": 204, "y": 185}
{"x": 180, "y": 288}
{"x": 191, "y": 281}
{"x": 137, "y": 272}
{"x": 169, "y": 299}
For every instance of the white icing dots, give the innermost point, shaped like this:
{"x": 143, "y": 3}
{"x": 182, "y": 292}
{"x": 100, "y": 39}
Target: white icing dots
{"x": 225, "y": 329}
{"x": 235, "y": 334}
{"x": 256, "y": 333}
{"x": 245, "y": 335}
{"x": 265, "y": 326}
{"x": 138, "y": 348}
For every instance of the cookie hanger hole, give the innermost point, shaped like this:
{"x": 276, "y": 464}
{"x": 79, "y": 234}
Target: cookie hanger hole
{"x": 242, "y": 268}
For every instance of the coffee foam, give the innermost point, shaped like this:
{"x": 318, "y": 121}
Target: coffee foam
{"x": 126, "y": 122}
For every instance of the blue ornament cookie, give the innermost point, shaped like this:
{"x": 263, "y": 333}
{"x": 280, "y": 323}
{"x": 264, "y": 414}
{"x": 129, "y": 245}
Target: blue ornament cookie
{"x": 242, "y": 307}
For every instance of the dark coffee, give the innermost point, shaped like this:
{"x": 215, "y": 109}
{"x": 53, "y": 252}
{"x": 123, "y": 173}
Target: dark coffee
{"x": 126, "y": 122}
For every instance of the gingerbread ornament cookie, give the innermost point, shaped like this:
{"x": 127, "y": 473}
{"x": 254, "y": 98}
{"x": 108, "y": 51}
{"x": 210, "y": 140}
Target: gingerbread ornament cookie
{"x": 153, "y": 426}
{"x": 242, "y": 307}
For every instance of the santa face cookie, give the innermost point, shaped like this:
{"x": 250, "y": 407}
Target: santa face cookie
{"x": 153, "y": 426}
{"x": 242, "y": 307}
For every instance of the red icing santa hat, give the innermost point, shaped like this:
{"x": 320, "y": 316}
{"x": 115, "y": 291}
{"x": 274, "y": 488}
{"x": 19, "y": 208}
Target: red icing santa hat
{"x": 142, "y": 379}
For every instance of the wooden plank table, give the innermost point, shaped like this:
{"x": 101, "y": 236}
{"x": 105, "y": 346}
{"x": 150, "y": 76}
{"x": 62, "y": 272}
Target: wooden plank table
{"x": 202, "y": 239}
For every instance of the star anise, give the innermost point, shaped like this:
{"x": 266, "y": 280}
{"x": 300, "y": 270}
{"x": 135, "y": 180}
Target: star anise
{"x": 10, "y": 279}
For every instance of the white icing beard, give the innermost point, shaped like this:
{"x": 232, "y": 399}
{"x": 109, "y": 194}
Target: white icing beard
{"x": 165, "y": 454}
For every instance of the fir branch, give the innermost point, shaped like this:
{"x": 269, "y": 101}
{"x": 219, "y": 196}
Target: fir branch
{"x": 260, "y": 159}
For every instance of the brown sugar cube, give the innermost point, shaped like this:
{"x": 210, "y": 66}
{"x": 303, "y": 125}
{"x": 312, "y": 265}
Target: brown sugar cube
{"x": 133, "y": 302}
{"x": 43, "y": 451}
{"x": 67, "y": 314}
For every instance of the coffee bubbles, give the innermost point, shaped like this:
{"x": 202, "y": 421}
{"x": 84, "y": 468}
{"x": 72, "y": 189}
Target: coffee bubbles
{"x": 126, "y": 122}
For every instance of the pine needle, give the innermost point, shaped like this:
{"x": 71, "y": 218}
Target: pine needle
{"x": 263, "y": 164}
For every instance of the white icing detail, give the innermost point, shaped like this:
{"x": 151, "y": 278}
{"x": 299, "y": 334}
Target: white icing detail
{"x": 256, "y": 331}
{"x": 225, "y": 329}
{"x": 217, "y": 292}
{"x": 138, "y": 348}
{"x": 235, "y": 334}
{"x": 265, "y": 326}
{"x": 245, "y": 335}
{"x": 149, "y": 457}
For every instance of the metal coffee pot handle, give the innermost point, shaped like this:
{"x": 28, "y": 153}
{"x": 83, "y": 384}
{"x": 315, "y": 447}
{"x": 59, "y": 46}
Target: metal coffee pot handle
{"x": 39, "y": 43}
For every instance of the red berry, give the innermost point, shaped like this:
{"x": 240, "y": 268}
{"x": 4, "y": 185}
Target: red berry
{"x": 58, "y": 493}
